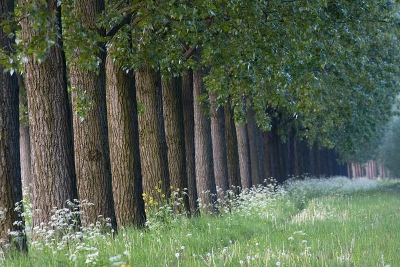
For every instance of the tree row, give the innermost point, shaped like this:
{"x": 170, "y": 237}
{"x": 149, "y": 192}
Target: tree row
{"x": 132, "y": 100}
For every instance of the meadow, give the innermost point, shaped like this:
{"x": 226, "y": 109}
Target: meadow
{"x": 308, "y": 222}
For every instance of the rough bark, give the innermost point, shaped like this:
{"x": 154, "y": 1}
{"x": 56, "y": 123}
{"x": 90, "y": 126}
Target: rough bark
{"x": 52, "y": 155}
{"x": 323, "y": 156}
{"x": 251, "y": 128}
{"x": 272, "y": 145}
{"x": 124, "y": 146}
{"x": 260, "y": 156}
{"x": 312, "y": 161}
{"x": 328, "y": 162}
{"x": 175, "y": 137}
{"x": 188, "y": 120}
{"x": 232, "y": 149}
{"x": 92, "y": 155}
{"x": 268, "y": 155}
{"x": 316, "y": 158}
{"x": 304, "y": 157}
{"x": 244, "y": 155}
{"x": 10, "y": 170}
{"x": 276, "y": 155}
{"x": 25, "y": 146}
{"x": 218, "y": 143}
{"x": 290, "y": 161}
{"x": 153, "y": 148}
{"x": 25, "y": 152}
{"x": 349, "y": 170}
{"x": 205, "y": 179}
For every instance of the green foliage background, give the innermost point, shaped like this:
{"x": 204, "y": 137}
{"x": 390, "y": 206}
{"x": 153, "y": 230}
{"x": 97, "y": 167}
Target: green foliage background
{"x": 325, "y": 69}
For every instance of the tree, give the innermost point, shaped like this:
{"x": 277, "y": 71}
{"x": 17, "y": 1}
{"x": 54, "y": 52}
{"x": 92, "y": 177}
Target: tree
{"x": 88, "y": 83}
{"x": 231, "y": 148}
{"x": 25, "y": 152}
{"x": 188, "y": 120}
{"x": 52, "y": 156}
{"x": 10, "y": 169}
{"x": 153, "y": 152}
{"x": 25, "y": 146}
{"x": 256, "y": 178}
{"x": 124, "y": 145}
{"x": 175, "y": 137}
{"x": 218, "y": 143}
{"x": 205, "y": 179}
{"x": 325, "y": 67}
{"x": 244, "y": 155}
{"x": 389, "y": 149}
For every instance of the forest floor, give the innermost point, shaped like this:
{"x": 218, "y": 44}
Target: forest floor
{"x": 311, "y": 222}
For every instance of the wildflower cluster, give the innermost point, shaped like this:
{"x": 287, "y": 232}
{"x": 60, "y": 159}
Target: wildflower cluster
{"x": 259, "y": 226}
{"x": 340, "y": 185}
{"x": 259, "y": 200}
{"x": 164, "y": 211}
{"x": 68, "y": 234}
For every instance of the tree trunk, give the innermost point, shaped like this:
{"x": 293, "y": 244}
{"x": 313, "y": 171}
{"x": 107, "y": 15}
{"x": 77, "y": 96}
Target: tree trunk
{"x": 188, "y": 120}
{"x": 231, "y": 149}
{"x": 175, "y": 136}
{"x": 317, "y": 163}
{"x": 349, "y": 170}
{"x": 10, "y": 172}
{"x": 353, "y": 170}
{"x": 375, "y": 169}
{"x": 329, "y": 162}
{"x": 218, "y": 143}
{"x": 382, "y": 171}
{"x": 153, "y": 148}
{"x": 244, "y": 155}
{"x": 52, "y": 154}
{"x": 290, "y": 154}
{"x": 251, "y": 128}
{"x": 279, "y": 152}
{"x": 124, "y": 146}
{"x": 332, "y": 162}
{"x": 268, "y": 157}
{"x": 25, "y": 146}
{"x": 260, "y": 156}
{"x": 10, "y": 168}
{"x": 92, "y": 154}
{"x": 304, "y": 157}
{"x": 299, "y": 158}
{"x": 25, "y": 152}
{"x": 205, "y": 179}
{"x": 312, "y": 161}
{"x": 322, "y": 161}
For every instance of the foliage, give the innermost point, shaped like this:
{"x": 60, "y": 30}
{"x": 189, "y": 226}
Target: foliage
{"x": 325, "y": 68}
{"x": 390, "y": 149}
{"x": 83, "y": 103}
{"x": 315, "y": 64}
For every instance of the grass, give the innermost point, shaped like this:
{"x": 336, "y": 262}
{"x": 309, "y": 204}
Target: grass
{"x": 327, "y": 222}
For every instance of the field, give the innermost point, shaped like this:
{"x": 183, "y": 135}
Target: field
{"x": 310, "y": 222}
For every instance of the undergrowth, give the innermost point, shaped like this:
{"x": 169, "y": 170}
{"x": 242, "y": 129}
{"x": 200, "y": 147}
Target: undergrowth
{"x": 312, "y": 222}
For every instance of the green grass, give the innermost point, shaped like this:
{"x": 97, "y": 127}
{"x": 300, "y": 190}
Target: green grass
{"x": 335, "y": 222}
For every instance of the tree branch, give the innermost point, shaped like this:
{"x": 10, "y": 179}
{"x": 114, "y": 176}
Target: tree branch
{"x": 119, "y": 4}
{"x": 192, "y": 50}
{"x": 126, "y": 20}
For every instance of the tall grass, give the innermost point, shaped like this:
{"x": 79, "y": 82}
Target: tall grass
{"x": 326, "y": 222}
